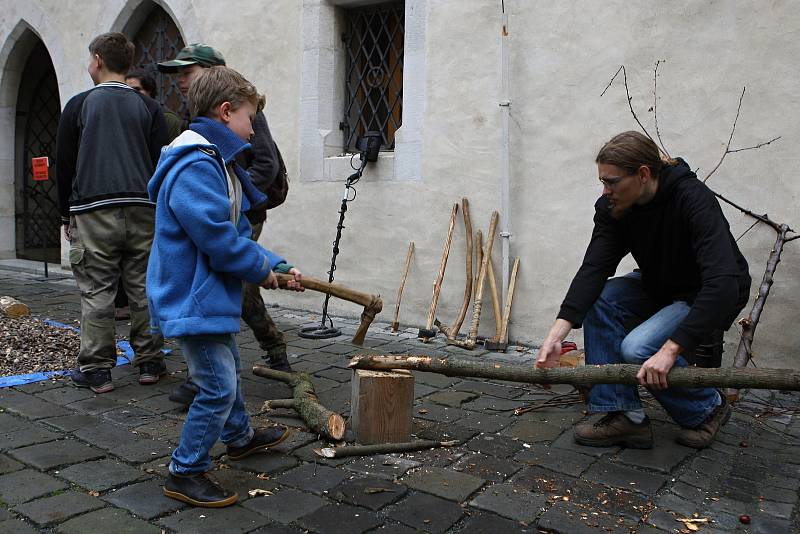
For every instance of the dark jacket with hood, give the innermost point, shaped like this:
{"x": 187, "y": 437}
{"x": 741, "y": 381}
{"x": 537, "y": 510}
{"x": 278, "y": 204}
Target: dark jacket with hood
{"x": 683, "y": 246}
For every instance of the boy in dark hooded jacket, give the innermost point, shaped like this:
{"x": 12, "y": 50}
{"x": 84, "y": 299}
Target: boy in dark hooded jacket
{"x": 201, "y": 255}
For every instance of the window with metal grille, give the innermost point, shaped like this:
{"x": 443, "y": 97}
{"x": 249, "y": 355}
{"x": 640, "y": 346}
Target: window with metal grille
{"x": 373, "y": 44}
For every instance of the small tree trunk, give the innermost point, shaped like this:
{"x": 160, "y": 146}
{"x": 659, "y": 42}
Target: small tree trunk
{"x": 317, "y": 417}
{"x": 693, "y": 377}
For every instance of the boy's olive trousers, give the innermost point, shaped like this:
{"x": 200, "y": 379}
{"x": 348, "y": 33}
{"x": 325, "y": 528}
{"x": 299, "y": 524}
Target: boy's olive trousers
{"x": 108, "y": 246}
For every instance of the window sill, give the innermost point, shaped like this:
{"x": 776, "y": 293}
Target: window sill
{"x": 338, "y": 168}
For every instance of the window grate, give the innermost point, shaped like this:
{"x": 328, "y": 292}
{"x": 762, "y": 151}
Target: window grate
{"x": 158, "y": 40}
{"x": 374, "y": 73}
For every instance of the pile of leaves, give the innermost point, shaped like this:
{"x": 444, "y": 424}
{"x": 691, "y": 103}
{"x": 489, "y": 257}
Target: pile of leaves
{"x": 28, "y": 345}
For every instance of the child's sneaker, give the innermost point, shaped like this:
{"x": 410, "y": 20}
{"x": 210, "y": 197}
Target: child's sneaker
{"x": 263, "y": 438}
{"x": 198, "y": 490}
{"x": 98, "y": 380}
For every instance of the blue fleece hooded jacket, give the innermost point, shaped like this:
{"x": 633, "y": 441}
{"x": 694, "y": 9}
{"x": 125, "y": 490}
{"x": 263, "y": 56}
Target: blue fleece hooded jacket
{"x": 201, "y": 248}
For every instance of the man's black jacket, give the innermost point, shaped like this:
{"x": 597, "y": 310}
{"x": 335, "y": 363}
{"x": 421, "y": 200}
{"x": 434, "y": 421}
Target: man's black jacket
{"x": 683, "y": 246}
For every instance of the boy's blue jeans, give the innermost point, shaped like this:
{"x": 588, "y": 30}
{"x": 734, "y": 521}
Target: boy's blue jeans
{"x": 608, "y": 341}
{"x": 218, "y": 410}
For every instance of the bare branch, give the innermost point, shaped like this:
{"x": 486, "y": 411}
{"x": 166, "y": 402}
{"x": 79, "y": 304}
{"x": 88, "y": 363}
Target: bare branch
{"x": 792, "y": 238}
{"x": 763, "y": 218}
{"x": 730, "y": 138}
{"x": 755, "y": 146}
{"x": 628, "y": 94}
{"x": 746, "y": 231}
{"x": 655, "y": 106}
{"x": 612, "y": 80}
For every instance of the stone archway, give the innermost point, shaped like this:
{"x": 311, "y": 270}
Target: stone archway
{"x": 29, "y": 113}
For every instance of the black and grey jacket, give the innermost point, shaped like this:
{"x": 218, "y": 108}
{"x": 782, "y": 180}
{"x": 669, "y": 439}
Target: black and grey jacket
{"x": 109, "y": 141}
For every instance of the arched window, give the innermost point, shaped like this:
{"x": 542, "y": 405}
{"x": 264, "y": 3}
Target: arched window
{"x": 158, "y": 39}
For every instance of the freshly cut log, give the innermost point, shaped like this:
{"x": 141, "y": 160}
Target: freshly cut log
{"x": 318, "y": 418}
{"x": 693, "y": 377}
{"x": 382, "y": 448}
{"x": 381, "y": 406}
{"x": 13, "y": 308}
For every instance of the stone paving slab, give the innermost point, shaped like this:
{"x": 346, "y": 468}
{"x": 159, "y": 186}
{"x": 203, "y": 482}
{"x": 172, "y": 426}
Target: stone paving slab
{"x": 46, "y": 456}
{"x": 58, "y": 508}
{"x": 101, "y": 475}
{"x": 21, "y": 486}
{"x": 104, "y": 520}
{"x": 144, "y": 499}
{"x": 286, "y": 505}
{"x": 511, "y": 474}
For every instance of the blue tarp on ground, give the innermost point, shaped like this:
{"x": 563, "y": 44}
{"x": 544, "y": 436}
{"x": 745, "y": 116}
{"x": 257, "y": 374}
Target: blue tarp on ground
{"x": 124, "y": 357}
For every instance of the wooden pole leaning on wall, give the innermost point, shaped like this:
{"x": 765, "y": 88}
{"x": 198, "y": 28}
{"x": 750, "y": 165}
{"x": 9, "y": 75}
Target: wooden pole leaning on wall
{"x": 428, "y": 332}
{"x": 502, "y": 342}
{"x": 372, "y": 303}
{"x": 395, "y": 322}
{"x": 720, "y": 377}
{"x": 452, "y": 331}
{"x": 469, "y": 343}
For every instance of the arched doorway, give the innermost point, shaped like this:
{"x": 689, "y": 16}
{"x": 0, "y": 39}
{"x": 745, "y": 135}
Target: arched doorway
{"x": 38, "y": 110}
{"x": 157, "y": 38}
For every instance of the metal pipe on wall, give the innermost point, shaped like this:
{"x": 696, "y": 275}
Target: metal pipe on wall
{"x": 505, "y": 108}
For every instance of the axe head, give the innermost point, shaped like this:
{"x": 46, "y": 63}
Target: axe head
{"x": 426, "y": 333}
{"x": 495, "y": 346}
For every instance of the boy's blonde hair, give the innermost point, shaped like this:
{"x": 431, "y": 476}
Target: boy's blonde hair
{"x": 216, "y": 85}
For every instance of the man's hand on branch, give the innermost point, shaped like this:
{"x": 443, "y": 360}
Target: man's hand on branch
{"x": 653, "y": 373}
{"x": 295, "y": 284}
{"x": 550, "y": 351}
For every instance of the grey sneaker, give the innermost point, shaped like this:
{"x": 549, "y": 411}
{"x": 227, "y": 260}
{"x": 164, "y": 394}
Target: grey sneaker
{"x": 615, "y": 429}
{"x": 703, "y": 436}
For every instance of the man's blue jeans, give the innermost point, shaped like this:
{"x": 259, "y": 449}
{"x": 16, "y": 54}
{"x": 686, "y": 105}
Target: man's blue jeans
{"x": 218, "y": 410}
{"x": 609, "y": 339}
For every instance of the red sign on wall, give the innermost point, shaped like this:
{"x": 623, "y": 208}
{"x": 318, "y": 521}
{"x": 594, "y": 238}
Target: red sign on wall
{"x": 41, "y": 168}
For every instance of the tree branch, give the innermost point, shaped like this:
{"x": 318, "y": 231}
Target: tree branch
{"x": 628, "y": 94}
{"x": 730, "y": 137}
{"x": 655, "y": 106}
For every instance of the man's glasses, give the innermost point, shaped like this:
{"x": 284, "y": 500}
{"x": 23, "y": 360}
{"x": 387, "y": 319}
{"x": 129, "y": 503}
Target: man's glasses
{"x": 613, "y": 181}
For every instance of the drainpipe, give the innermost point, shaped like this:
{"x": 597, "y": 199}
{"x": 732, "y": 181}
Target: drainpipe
{"x": 505, "y": 108}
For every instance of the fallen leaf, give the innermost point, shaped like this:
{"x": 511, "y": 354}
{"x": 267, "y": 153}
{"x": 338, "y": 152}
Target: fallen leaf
{"x": 423, "y": 411}
{"x": 94, "y": 493}
{"x": 257, "y": 492}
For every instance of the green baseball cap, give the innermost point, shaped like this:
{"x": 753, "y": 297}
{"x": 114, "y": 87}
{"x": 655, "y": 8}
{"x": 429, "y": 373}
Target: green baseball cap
{"x": 197, "y": 53}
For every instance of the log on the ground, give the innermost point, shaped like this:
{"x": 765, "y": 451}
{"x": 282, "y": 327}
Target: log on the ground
{"x": 13, "y": 308}
{"x": 782, "y": 379}
{"x": 382, "y": 448}
{"x": 381, "y": 406}
{"x": 372, "y": 303}
{"x": 306, "y": 403}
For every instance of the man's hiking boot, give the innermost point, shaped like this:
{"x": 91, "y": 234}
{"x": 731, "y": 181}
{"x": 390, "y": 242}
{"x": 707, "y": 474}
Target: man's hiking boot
{"x": 150, "y": 372}
{"x": 184, "y": 394}
{"x": 263, "y": 438}
{"x": 615, "y": 429}
{"x": 703, "y": 436}
{"x": 276, "y": 356}
{"x": 98, "y": 380}
{"x": 198, "y": 490}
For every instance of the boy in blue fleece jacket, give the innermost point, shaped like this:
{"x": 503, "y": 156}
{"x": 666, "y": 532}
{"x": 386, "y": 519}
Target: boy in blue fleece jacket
{"x": 201, "y": 254}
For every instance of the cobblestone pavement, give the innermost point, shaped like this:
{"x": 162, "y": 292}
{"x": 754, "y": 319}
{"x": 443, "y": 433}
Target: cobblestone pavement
{"x": 74, "y": 462}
